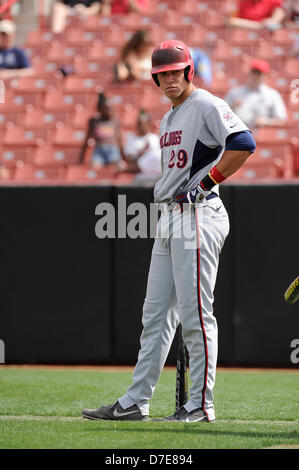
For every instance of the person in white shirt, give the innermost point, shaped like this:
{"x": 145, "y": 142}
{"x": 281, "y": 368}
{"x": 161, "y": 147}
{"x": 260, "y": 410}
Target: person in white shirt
{"x": 256, "y": 103}
{"x": 141, "y": 151}
{"x": 135, "y": 58}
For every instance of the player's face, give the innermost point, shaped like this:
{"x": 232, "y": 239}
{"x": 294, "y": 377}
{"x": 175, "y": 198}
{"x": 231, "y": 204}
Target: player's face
{"x": 174, "y": 85}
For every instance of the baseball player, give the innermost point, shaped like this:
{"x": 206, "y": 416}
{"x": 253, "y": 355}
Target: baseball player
{"x": 202, "y": 143}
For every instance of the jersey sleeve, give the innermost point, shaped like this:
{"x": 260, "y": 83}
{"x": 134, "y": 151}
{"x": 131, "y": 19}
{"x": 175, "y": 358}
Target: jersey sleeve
{"x": 222, "y": 122}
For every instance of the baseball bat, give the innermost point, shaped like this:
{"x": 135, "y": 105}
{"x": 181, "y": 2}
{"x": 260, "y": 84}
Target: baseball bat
{"x": 291, "y": 295}
{"x": 181, "y": 390}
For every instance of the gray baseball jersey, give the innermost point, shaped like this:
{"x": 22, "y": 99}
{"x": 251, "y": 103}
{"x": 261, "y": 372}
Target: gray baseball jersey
{"x": 192, "y": 140}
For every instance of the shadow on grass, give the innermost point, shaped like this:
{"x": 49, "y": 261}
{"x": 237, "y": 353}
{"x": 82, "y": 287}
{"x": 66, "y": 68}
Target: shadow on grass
{"x": 202, "y": 428}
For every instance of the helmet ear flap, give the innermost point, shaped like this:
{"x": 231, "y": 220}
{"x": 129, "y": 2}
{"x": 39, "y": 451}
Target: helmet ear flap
{"x": 189, "y": 72}
{"x": 155, "y": 77}
{"x": 186, "y": 73}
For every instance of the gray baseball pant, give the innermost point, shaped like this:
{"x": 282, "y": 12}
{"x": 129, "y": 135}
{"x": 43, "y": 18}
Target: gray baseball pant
{"x": 180, "y": 287}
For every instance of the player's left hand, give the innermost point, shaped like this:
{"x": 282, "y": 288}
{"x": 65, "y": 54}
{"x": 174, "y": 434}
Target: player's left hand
{"x": 194, "y": 196}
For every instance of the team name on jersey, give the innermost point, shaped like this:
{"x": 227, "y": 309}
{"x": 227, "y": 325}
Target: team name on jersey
{"x": 173, "y": 138}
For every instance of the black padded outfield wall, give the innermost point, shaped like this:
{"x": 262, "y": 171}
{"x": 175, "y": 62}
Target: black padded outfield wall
{"x": 67, "y": 296}
{"x": 55, "y": 276}
{"x": 267, "y": 261}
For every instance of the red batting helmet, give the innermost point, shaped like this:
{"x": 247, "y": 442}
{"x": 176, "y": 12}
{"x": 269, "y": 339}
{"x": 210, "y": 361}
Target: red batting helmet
{"x": 172, "y": 55}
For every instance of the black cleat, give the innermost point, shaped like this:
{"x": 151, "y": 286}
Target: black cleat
{"x": 115, "y": 412}
{"x": 184, "y": 416}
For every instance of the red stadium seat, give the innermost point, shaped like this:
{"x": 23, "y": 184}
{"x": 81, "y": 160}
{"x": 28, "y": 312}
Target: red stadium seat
{"x": 18, "y": 135}
{"x": 106, "y": 53}
{"x": 224, "y": 49}
{"x": 37, "y": 50}
{"x": 75, "y": 84}
{"x": 174, "y": 19}
{"x": 52, "y": 156}
{"x": 15, "y": 155}
{"x": 274, "y": 54}
{"x": 99, "y": 70}
{"x": 39, "y": 118}
{"x": 157, "y": 113}
{"x": 230, "y": 65}
{"x": 77, "y": 37}
{"x": 273, "y": 135}
{"x": 79, "y": 119}
{"x": 242, "y": 37}
{"x": 275, "y": 143}
{"x": 57, "y": 100}
{"x": 284, "y": 37}
{"x": 214, "y": 19}
{"x": 119, "y": 95}
{"x": 33, "y": 98}
{"x": 189, "y": 7}
{"x": 33, "y": 84}
{"x": 123, "y": 179}
{"x": 58, "y": 51}
{"x": 254, "y": 173}
{"x": 157, "y": 31}
{"x": 291, "y": 68}
{"x": 128, "y": 116}
{"x": 40, "y": 37}
{"x": 292, "y": 104}
{"x": 9, "y": 116}
{"x": 68, "y": 136}
{"x": 87, "y": 68}
{"x": 177, "y": 32}
{"x": 295, "y": 153}
{"x": 44, "y": 67}
{"x": 89, "y": 174}
{"x": 40, "y": 175}
{"x": 197, "y": 35}
{"x": 149, "y": 19}
{"x": 281, "y": 158}
{"x": 99, "y": 22}
{"x": 278, "y": 81}
{"x": 133, "y": 20}
{"x": 151, "y": 98}
{"x": 17, "y": 102}
{"x": 222, "y": 83}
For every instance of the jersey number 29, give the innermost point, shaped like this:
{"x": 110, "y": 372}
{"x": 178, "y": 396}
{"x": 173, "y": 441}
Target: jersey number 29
{"x": 179, "y": 160}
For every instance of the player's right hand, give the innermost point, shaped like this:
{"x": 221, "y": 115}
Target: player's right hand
{"x": 193, "y": 196}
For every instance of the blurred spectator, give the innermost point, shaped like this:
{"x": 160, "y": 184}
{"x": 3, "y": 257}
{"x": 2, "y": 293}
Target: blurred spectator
{"x": 256, "y": 103}
{"x": 13, "y": 60}
{"x": 294, "y": 52}
{"x": 141, "y": 151}
{"x": 63, "y": 8}
{"x": 258, "y": 14}
{"x": 6, "y": 13}
{"x": 4, "y": 173}
{"x": 202, "y": 65}
{"x": 292, "y": 20}
{"x": 135, "y": 60}
{"x": 291, "y": 8}
{"x": 125, "y": 6}
{"x": 104, "y": 134}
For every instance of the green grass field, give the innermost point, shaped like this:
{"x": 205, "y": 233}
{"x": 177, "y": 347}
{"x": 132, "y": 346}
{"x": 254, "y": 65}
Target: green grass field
{"x": 40, "y": 408}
